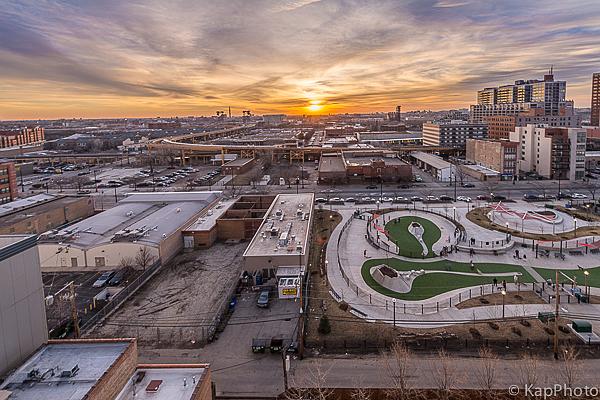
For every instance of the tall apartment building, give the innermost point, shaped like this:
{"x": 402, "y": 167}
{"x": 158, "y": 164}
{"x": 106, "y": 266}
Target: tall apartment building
{"x": 500, "y": 126}
{"x": 21, "y": 137}
{"x": 554, "y": 153}
{"x": 452, "y": 134}
{"x": 595, "y": 116}
{"x": 499, "y": 155}
{"x": 546, "y": 95}
{"x": 8, "y": 182}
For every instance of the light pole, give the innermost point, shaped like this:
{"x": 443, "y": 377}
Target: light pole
{"x": 575, "y": 230}
{"x": 507, "y": 228}
{"x": 503, "y": 296}
{"x": 394, "y": 301}
{"x": 586, "y": 273}
{"x": 454, "y": 212}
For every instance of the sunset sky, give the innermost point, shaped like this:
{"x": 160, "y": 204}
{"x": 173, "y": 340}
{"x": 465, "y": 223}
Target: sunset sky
{"x": 115, "y": 58}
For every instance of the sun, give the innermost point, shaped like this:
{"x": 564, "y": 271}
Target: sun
{"x": 315, "y": 107}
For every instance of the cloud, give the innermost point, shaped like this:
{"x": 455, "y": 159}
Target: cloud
{"x": 197, "y": 56}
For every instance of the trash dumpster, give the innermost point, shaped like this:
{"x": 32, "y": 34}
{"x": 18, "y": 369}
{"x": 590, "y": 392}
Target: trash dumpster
{"x": 581, "y": 326}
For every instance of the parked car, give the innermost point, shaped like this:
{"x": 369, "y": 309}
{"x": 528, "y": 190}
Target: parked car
{"x": 416, "y": 198}
{"x": 446, "y": 198}
{"x": 263, "y": 299}
{"x": 117, "y": 278}
{"x": 483, "y": 197}
{"x": 372, "y": 187}
{"x": 320, "y": 200}
{"x": 350, "y": 200}
{"x": 468, "y": 185}
{"x": 463, "y": 198}
{"x": 103, "y": 279}
{"x": 578, "y": 196}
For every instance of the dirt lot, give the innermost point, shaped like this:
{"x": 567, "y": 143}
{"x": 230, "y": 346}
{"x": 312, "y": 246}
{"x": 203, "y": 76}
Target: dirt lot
{"x": 182, "y": 304}
{"x": 496, "y": 298}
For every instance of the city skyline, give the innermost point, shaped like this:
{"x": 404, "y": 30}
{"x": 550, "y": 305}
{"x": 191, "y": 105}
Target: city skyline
{"x": 62, "y": 59}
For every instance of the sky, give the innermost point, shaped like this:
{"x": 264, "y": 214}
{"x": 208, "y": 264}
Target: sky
{"x": 149, "y": 58}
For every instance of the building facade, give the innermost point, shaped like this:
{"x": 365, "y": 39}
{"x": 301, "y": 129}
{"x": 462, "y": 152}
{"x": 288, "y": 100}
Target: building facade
{"x": 498, "y": 155}
{"x": 546, "y": 95}
{"x": 21, "y": 137}
{"x": 8, "y": 182}
{"x": 452, "y": 134}
{"x": 22, "y": 312}
{"x": 595, "y": 116}
{"x": 500, "y": 126}
{"x": 553, "y": 153}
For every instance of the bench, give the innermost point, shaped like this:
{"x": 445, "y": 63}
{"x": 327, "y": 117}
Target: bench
{"x": 576, "y": 252}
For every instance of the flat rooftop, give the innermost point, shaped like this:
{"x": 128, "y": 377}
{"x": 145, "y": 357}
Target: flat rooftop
{"x": 238, "y": 162}
{"x": 11, "y": 245}
{"x": 332, "y": 163}
{"x": 431, "y": 159}
{"x": 144, "y": 217}
{"x": 481, "y": 169}
{"x": 32, "y": 208}
{"x": 12, "y": 206}
{"x": 366, "y": 158}
{"x": 92, "y": 358}
{"x": 209, "y": 217}
{"x": 171, "y": 385}
{"x": 289, "y": 215}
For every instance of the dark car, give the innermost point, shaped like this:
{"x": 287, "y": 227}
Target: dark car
{"x": 446, "y": 198}
{"x": 372, "y": 187}
{"x": 499, "y": 198}
{"x": 468, "y": 185}
{"x": 117, "y": 278}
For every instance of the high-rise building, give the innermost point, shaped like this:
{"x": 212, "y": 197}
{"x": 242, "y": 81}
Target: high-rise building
{"x": 595, "y": 116}
{"x": 452, "y": 134}
{"x": 500, "y": 126}
{"x": 554, "y": 153}
{"x": 8, "y": 182}
{"x": 546, "y": 95}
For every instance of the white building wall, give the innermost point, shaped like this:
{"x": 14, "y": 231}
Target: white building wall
{"x": 22, "y": 311}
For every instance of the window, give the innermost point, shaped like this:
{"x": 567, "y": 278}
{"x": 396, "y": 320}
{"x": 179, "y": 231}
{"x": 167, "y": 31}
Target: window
{"x": 74, "y": 262}
{"x": 100, "y": 262}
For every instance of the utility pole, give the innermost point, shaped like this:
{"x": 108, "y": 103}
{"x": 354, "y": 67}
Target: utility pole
{"x": 74, "y": 314}
{"x": 285, "y": 367}
{"x": 556, "y": 317}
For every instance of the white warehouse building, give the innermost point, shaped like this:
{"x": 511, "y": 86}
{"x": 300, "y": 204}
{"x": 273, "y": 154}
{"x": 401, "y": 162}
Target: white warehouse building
{"x": 148, "y": 223}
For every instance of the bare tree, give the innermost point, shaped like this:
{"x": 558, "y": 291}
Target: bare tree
{"x": 571, "y": 365}
{"x": 443, "y": 375}
{"x": 487, "y": 371}
{"x": 144, "y": 258}
{"x": 314, "y": 388}
{"x": 592, "y": 187}
{"x": 127, "y": 262}
{"x": 398, "y": 365}
{"x": 527, "y": 370}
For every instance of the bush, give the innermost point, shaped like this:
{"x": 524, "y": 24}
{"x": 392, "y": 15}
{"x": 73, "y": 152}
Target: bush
{"x": 549, "y": 331}
{"x": 493, "y": 325}
{"x": 343, "y": 306}
{"x": 516, "y": 331}
{"x": 324, "y": 326}
{"x": 564, "y": 329}
{"x": 518, "y": 297}
{"x": 525, "y": 323}
{"x": 484, "y": 301}
{"x": 475, "y": 333}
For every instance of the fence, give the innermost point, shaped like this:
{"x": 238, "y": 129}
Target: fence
{"x": 118, "y": 299}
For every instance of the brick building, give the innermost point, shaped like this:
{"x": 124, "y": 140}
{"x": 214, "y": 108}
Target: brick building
{"x": 498, "y": 155}
{"x": 21, "y": 137}
{"x": 595, "y": 115}
{"x": 363, "y": 164}
{"x": 8, "y": 182}
{"x": 500, "y": 126}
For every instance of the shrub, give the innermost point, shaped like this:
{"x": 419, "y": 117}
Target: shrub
{"x": 549, "y": 331}
{"x": 525, "y": 323}
{"x": 343, "y": 306}
{"x": 484, "y": 301}
{"x": 516, "y": 331}
{"x": 493, "y": 325}
{"x": 475, "y": 333}
{"x": 564, "y": 329}
{"x": 324, "y": 326}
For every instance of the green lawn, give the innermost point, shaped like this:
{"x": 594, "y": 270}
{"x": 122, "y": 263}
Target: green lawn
{"x": 429, "y": 285}
{"x": 593, "y": 278}
{"x": 409, "y": 245}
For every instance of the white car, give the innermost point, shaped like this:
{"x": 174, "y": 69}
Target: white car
{"x": 464, "y": 198}
{"x": 578, "y": 196}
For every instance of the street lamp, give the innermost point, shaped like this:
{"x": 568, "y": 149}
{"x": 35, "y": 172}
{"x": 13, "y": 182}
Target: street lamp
{"x": 575, "y": 230}
{"x": 503, "y": 296}
{"x": 394, "y": 301}
{"x": 507, "y": 228}
{"x": 454, "y": 212}
{"x": 587, "y": 287}
{"x": 377, "y": 202}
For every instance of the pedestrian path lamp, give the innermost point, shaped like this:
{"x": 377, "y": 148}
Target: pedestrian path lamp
{"x": 454, "y": 211}
{"x": 503, "y": 302}
{"x": 575, "y": 230}
{"x": 586, "y": 273}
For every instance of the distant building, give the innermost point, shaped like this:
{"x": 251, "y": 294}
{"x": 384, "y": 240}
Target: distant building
{"x": 452, "y": 134}
{"x": 21, "y": 137}
{"x": 500, "y": 126}
{"x": 8, "y": 182}
{"x": 142, "y": 223}
{"x": 595, "y": 115}
{"x": 22, "y": 312}
{"x": 274, "y": 119}
{"x": 439, "y": 168}
{"x": 363, "y": 164}
{"x": 554, "y": 153}
{"x": 103, "y": 369}
{"x": 43, "y": 212}
{"x": 497, "y": 155}
{"x": 546, "y": 95}
{"x": 164, "y": 125}
{"x": 237, "y": 166}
